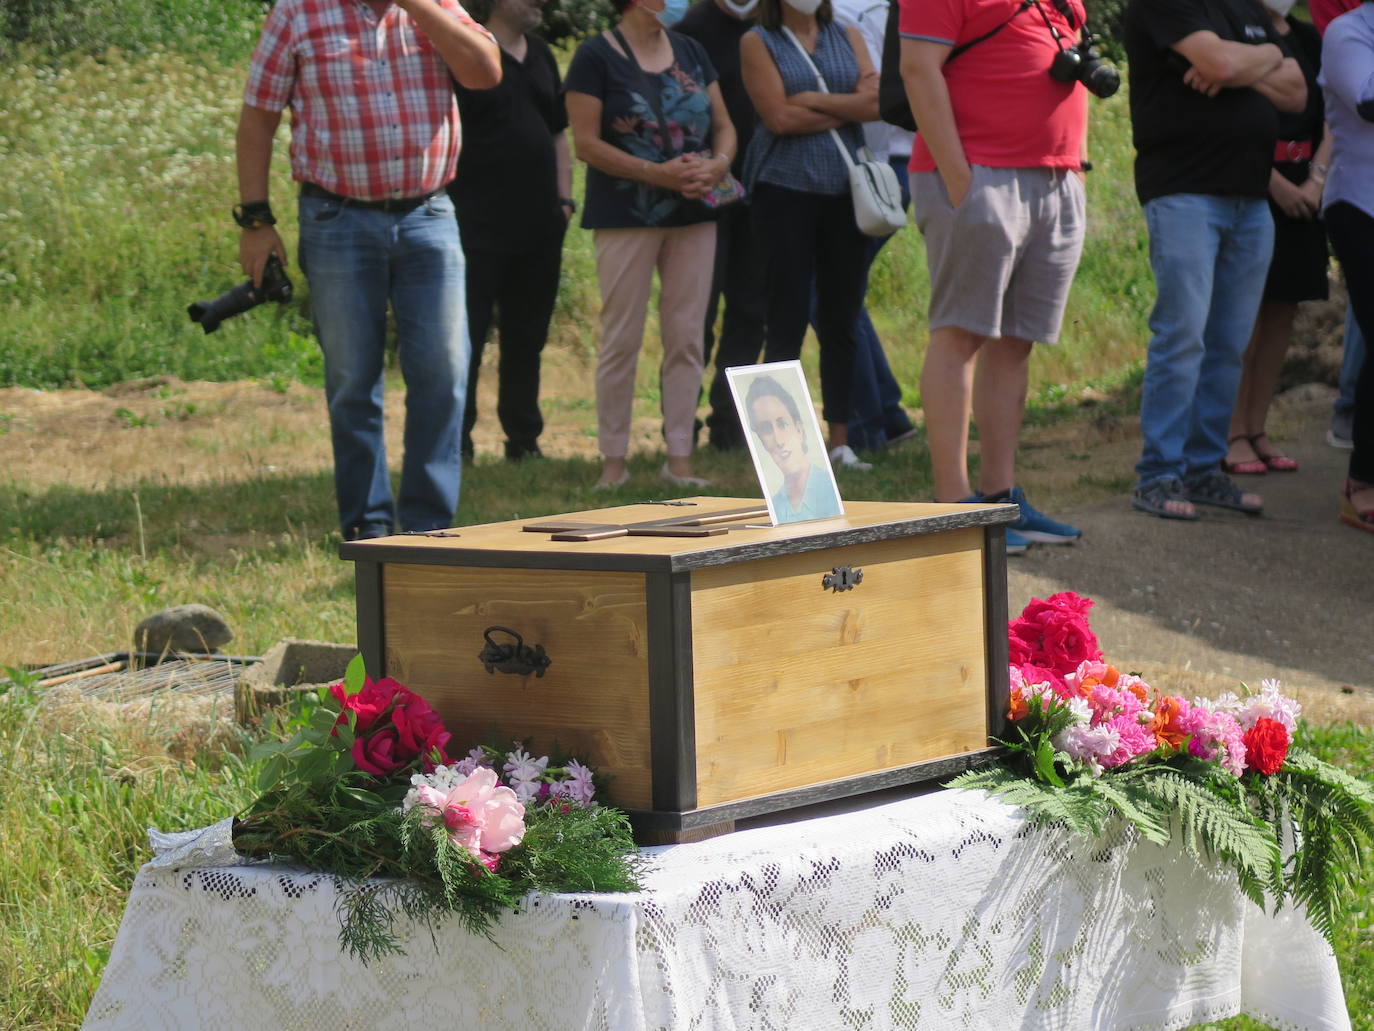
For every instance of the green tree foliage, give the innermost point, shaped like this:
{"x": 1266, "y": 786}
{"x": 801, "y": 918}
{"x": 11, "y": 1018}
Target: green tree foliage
{"x": 54, "y": 28}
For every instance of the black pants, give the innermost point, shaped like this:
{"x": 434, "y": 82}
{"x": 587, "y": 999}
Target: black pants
{"x": 1352, "y": 238}
{"x": 811, "y": 238}
{"x": 739, "y": 280}
{"x": 522, "y": 288}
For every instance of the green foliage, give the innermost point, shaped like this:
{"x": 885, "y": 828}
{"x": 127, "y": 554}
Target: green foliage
{"x": 1300, "y": 834}
{"x": 319, "y": 810}
{"x": 56, "y": 28}
{"x": 571, "y": 20}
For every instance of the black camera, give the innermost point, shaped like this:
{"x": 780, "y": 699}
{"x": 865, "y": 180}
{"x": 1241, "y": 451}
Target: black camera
{"x": 275, "y": 287}
{"x": 1084, "y": 64}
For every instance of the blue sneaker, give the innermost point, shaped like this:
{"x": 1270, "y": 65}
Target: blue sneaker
{"x": 1017, "y": 544}
{"x": 1034, "y": 525}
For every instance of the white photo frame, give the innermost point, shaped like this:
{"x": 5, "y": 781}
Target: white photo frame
{"x": 785, "y": 442}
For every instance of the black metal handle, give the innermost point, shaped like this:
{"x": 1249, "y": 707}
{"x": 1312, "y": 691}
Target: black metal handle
{"x": 518, "y": 658}
{"x": 841, "y": 578}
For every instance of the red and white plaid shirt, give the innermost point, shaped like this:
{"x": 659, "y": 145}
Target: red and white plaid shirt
{"x": 373, "y": 114}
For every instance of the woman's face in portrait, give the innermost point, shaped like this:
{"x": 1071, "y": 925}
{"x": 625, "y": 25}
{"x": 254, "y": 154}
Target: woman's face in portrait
{"x": 781, "y": 435}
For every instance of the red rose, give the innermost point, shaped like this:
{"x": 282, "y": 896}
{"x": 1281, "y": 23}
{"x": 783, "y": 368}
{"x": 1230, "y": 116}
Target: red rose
{"x": 1019, "y": 649}
{"x": 369, "y": 703}
{"x": 419, "y": 729}
{"x": 377, "y": 753}
{"x": 1266, "y": 745}
{"x": 1053, "y": 633}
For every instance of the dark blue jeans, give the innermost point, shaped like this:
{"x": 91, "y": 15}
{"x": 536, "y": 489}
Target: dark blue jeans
{"x": 876, "y": 412}
{"x": 358, "y": 261}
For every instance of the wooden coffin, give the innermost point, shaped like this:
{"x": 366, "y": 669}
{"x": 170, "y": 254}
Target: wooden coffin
{"x": 711, "y": 666}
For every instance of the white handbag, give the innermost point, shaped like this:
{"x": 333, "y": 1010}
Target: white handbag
{"x": 872, "y": 183}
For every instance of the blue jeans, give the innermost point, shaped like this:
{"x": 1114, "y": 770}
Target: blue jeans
{"x": 357, "y": 260}
{"x": 1209, "y": 255}
{"x": 1352, "y": 360}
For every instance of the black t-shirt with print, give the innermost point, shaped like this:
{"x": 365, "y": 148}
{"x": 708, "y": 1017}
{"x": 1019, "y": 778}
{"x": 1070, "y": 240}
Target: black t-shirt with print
{"x": 629, "y": 122}
{"x": 506, "y": 187}
{"x": 1187, "y": 142}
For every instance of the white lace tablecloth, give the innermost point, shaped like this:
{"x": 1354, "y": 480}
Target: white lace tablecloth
{"x": 943, "y": 911}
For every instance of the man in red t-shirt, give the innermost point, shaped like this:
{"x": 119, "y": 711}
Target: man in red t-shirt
{"x": 997, "y": 190}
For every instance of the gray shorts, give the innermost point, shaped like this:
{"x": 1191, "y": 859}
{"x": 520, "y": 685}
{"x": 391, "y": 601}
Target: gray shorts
{"x": 1002, "y": 262}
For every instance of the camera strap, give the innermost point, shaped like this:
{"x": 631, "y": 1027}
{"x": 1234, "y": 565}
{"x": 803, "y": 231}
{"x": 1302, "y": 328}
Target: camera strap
{"x": 1023, "y": 5}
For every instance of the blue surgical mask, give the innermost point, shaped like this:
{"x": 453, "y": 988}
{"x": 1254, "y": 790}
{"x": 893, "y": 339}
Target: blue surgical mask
{"x": 672, "y": 12}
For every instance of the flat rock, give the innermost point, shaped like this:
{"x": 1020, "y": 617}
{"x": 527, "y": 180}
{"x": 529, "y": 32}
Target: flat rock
{"x": 195, "y": 628}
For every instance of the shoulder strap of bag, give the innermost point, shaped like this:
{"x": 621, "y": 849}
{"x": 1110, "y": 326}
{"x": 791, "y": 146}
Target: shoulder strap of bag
{"x": 651, "y": 96}
{"x": 824, "y": 88}
{"x": 894, "y": 108}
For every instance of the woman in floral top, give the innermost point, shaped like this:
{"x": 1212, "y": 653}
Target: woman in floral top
{"x": 647, "y": 117}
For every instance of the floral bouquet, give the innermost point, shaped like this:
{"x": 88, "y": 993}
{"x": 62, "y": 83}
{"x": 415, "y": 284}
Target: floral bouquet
{"x": 1222, "y": 776}
{"x": 365, "y": 790}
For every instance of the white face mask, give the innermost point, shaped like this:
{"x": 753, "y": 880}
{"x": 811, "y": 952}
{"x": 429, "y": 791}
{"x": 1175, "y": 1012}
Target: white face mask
{"x": 804, "y": 6}
{"x": 1279, "y": 7}
{"x": 740, "y": 10}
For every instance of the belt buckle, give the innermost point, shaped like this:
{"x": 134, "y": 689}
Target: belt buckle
{"x": 1293, "y": 150}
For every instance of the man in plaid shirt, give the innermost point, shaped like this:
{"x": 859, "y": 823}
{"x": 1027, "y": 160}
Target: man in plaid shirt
{"x": 374, "y": 141}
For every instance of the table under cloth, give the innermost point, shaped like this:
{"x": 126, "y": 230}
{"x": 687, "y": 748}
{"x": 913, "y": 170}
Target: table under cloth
{"x": 947, "y": 910}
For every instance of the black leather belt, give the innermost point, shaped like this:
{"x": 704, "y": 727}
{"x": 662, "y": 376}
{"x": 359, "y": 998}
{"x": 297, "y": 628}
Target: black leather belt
{"x": 398, "y": 205}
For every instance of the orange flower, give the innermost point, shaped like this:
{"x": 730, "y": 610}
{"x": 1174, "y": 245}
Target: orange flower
{"x": 1018, "y": 708}
{"x": 1165, "y": 725}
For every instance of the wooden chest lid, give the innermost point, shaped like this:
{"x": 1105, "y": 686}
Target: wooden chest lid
{"x": 530, "y": 542}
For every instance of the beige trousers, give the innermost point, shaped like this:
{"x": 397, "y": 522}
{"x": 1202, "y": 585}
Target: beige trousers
{"x": 625, "y": 263}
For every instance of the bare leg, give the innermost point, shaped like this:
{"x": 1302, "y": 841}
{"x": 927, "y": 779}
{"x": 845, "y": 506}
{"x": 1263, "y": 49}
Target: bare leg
{"x": 837, "y": 434}
{"x": 612, "y": 472}
{"x": 1260, "y": 378}
{"x": 999, "y": 405}
{"x": 946, "y": 393}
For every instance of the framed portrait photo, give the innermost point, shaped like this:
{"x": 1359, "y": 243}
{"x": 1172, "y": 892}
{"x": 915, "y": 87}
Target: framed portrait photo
{"x": 785, "y": 441}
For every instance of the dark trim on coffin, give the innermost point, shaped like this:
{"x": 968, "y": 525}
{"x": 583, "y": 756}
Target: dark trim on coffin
{"x": 367, "y": 578}
{"x": 672, "y": 703}
{"x": 995, "y": 623}
{"x": 933, "y": 769}
{"x": 717, "y": 553}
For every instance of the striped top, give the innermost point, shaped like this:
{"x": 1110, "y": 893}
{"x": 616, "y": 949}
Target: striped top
{"x": 808, "y": 162}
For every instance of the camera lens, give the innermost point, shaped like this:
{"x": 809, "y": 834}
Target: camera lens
{"x": 1065, "y": 66}
{"x": 1102, "y": 80}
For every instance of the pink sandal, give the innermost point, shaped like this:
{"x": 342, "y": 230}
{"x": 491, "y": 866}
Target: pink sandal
{"x": 1274, "y": 461}
{"x": 1251, "y": 467}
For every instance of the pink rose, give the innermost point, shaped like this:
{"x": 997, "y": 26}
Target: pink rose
{"x": 377, "y": 753}
{"x": 482, "y": 816}
{"x": 1054, "y": 633}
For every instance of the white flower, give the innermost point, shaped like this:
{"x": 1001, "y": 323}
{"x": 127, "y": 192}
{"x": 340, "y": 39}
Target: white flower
{"x": 521, "y": 766}
{"x": 1082, "y": 711}
{"x": 1087, "y": 743}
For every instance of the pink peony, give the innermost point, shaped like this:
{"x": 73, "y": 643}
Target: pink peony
{"x": 482, "y": 816}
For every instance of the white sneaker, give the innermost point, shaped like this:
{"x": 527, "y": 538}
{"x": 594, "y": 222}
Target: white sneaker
{"x": 843, "y": 457}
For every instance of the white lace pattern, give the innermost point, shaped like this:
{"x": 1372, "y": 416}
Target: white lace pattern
{"x": 945, "y": 911}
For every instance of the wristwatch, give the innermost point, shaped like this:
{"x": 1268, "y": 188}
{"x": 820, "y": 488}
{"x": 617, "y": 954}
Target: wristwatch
{"x": 254, "y": 215}
{"x": 569, "y": 203}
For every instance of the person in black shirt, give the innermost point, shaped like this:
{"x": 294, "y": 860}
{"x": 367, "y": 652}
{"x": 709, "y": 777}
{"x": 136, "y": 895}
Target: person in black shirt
{"x": 513, "y": 195}
{"x": 738, "y": 277}
{"x": 1208, "y": 78}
